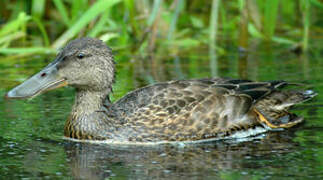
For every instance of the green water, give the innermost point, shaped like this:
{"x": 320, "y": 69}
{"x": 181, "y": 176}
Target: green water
{"x": 31, "y": 144}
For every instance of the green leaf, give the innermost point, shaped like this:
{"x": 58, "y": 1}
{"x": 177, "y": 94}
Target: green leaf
{"x": 14, "y": 25}
{"x": 173, "y": 22}
{"x": 5, "y": 40}
{"x": 186, "y": 42}
{"x": 33, "y": 50}
{"x": 78, "y": 8}
{"x": 283, "y": 40}
{"x": 270, "y": 17}
{"x": 42, "y": 30}
{"x": 196, "y": 22}
{"x": 317, "y": 3}
{"x": 153, "y": 14}
{"x": 86, "y": 18}
{"x": 108, "y": 36}
{"x": 63, "y": 12}
{"x": 38, "y": 8}
{"x": 99, "y": 25}
{"x": 254, "y": 32}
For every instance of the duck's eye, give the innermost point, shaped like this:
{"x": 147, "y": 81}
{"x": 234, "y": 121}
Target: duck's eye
{"x": 80, "y": 55}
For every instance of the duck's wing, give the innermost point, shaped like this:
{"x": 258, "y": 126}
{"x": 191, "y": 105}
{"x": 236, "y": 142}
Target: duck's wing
{"x": 270, "y": 102}
{"x": 192, "y": 109}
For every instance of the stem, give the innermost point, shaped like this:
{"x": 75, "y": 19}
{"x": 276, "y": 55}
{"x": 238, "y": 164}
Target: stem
{"x": 306, "y": 23}
{"x": 174, "y": 19}
{"x": 213, "y": 32}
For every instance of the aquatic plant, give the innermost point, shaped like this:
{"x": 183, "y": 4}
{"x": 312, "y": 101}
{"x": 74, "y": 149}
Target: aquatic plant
{"x": 40, "y": 26}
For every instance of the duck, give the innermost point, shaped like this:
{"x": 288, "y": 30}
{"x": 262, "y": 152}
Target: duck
{"x": 174, "y": 111}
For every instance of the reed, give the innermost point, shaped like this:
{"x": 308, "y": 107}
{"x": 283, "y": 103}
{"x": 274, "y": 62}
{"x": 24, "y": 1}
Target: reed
{"x": 154, "y": 11}
{"x": 156, "y": 24}
{"x": 89, "y": 15}
{"x": 213, "y": 23}
{"x": 38, "y": 8}
{"x": 270, "y": 18}
{"x": 172, "y": 27}
{"x": 305, "y": 8}
{"x": 213, "y": 33}
{"x": 32, "y": 50}
{"x": 16, "y": 26}
{"x": 62, "y": 10}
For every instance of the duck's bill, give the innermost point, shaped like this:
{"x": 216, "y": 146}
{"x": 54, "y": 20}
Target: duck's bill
{"x": 47, "y": 79}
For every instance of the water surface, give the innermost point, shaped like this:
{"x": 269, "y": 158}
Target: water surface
{"x": 31, "y": 144}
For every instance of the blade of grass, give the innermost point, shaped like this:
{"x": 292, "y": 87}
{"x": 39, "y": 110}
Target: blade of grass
{"x": 14, "y": 25}
{"x": 254, "y": 31}
{"x": 99, "y": 25}
{"x": 270, "y": 17}
{"x": 78, "y": 9}
{"x": 283, "y": 40}
{"x": 154, "y": 12}
{"x": 305, "y": 7}
{"x": 225, "y": 23}
{"x": 254, "y": 14}
{"x": 172, "y": 27}
{"x": 38, "y": 8}
{"x": 5, "y": 40}
{"x": 42, "y": 30}
{"x": 288, "y": 10}
{"x": 18, "y": 8}
{"x": 130, "y": 6}
{"x": 108, "y": 36}
{"x": 213, "y": 23}
{"x": 244, "y": 21}
{"x": 212, "y": 33}
{"x": 33, "y": 50}
{"x": 63, "y": 12}
{"x": 89, "y": 15}
{"x": 317, "y": 3}
{"x": 153, "y": 34}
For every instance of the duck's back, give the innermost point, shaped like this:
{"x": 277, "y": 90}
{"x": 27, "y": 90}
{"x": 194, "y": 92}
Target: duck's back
{"x": 194, "y": 109}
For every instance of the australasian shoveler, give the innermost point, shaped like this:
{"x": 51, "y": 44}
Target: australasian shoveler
{"x": 182, "y": 110}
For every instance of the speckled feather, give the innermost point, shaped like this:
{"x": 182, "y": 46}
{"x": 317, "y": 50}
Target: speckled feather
{"x": 189, "y": 109}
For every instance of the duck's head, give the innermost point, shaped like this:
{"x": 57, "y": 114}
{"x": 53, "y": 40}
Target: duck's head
{"x": 86, "y": 64}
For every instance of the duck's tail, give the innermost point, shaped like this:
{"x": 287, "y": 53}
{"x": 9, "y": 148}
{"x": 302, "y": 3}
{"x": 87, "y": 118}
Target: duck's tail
{"x": 272, "y": 110}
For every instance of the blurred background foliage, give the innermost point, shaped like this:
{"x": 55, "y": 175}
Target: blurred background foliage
{"x": 145, "y": 26}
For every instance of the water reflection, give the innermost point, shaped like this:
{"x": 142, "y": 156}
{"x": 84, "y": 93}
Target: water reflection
{"x": 31, "y": 131}
{"x": 92, "y": 161}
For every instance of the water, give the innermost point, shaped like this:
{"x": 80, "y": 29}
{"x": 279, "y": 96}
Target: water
{"x": 31, "y": 144}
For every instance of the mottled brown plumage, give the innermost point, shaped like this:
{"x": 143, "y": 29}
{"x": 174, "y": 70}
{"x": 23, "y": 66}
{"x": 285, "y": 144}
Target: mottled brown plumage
{"x": 183, "y": 110}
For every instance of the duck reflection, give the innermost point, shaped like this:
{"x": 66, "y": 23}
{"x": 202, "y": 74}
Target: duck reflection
{"x": 100, "y": 161}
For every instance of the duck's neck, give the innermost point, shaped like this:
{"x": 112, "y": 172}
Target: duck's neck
{"x": 87, "y": 121}
{"x": 88, "y": 102}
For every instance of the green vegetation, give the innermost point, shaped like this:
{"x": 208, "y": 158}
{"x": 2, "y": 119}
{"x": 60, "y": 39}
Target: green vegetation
{"x": 40, "y": 26}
